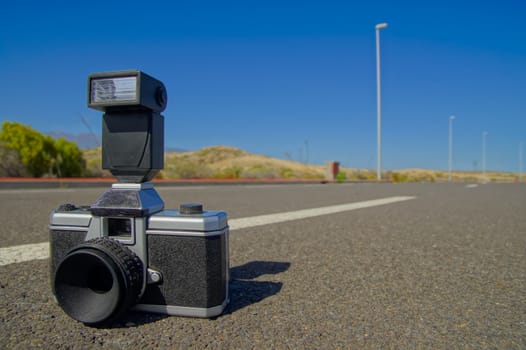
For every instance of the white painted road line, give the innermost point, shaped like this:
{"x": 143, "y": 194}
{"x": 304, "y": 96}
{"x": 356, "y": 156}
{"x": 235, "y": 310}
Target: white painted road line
{"x": 24, "y": 252}
{"x": 472, "y": 186}
{"x": 237, "y": 224}
{"x": 38, "y": 251}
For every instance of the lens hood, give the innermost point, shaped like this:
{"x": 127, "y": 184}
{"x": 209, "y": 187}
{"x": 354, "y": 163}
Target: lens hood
{"x": 98, "y": 281}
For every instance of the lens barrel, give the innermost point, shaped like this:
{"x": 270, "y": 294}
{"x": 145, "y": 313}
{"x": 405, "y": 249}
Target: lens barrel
{"x": 98, "y": 281}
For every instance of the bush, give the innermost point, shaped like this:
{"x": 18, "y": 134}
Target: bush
{"x": 363, "y": 175}
{"x": 68, "y": 161}
{"x": 233, "y": 172}
{"x": 286, "y": 173}
{"x": 35, "y": 150}
{"x": 399, "y": 177}
{"x": 341, "y": 177}
{"x": 10, "y": 163}
{"x": 39, "y": 154}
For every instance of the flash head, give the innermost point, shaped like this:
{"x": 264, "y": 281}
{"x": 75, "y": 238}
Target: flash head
{"x": 132, "y": 124}
{"x": 127, "y": 89}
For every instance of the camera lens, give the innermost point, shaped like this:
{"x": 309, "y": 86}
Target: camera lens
{"x": 98, "y": 281}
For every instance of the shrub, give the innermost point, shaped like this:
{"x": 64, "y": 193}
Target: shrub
{"x": 286, "y": 173}
{"x": 10, "y": 163}
{"x": 233, "y": 172}
{"x": 399, "y": 177}
{"x": 40, "y": 154}
{"x": 68, "y": 160}
{"x": 341, "y": 177}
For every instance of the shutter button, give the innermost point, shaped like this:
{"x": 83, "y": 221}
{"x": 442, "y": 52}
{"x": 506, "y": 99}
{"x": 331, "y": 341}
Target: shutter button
{"x": 191, "y": 208}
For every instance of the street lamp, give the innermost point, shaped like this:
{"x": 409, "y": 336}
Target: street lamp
{"x": 484, "y": 134}
{"x": 378, "y": 27}
{"x": 451, "y": 118}
{"x": 520, "y": 160}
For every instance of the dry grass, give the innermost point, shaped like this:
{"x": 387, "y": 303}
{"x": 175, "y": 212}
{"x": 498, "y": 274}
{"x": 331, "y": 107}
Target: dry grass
{"x": 224, "y": 162}
{"x": 227, "y": 162}
{"x": 93, "y": 159}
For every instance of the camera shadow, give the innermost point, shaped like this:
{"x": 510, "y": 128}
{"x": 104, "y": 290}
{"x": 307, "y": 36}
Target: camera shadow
{"x": 137, "y": 318}
{"x": 244, "y": 291}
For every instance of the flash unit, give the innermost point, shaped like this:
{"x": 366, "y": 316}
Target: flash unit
{"x": 132, "y": 124}
{"x": 132, "y": 89}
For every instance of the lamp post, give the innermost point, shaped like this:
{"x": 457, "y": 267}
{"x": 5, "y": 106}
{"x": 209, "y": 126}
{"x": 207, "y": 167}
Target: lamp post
{"x": 451, "y": 118}
{"x": 520, "y": 160}
{"x": 484, "y": 134}
{"x": 378, "y": 27}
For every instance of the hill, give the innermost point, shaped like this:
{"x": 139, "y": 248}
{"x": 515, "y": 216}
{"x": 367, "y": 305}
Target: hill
{"x": 224, "y": 162}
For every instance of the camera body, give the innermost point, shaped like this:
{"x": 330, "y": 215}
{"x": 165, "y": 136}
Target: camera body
{"x": 125, "y": 251}
{"x": 179, "y": 257}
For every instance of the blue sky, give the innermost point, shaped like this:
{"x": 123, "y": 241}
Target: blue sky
{"x": 272, "y": 77}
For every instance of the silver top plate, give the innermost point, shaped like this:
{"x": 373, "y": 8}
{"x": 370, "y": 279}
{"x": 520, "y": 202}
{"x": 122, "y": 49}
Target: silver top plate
{"x": 72, "y": 218}
{"x": 172, "y": 220}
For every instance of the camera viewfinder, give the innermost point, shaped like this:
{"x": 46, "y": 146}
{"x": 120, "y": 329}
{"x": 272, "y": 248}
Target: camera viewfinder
{"x": 119, "y": 227}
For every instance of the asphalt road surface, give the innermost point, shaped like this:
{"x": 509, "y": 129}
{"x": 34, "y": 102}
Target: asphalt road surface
{"x": 443, "y": 270}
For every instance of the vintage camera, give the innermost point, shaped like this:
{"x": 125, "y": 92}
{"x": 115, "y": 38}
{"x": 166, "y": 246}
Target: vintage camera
{"x": 125, "y": 251}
